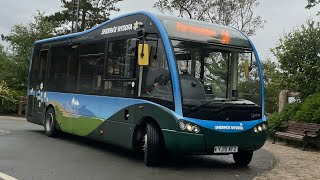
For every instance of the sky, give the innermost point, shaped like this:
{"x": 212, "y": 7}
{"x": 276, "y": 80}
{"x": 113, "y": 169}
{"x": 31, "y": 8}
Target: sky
{"x": 281, "y": 16}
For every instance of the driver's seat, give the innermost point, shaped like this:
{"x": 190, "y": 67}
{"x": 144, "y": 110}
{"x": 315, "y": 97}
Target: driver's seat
{"x": 191, "y": 87}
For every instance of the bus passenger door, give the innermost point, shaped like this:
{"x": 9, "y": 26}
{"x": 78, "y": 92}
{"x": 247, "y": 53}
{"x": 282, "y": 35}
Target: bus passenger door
{"x": 121, "y": 83}
{"x": 39, "y": 88}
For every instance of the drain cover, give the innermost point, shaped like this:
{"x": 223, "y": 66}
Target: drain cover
{"x": 3, "y": 132}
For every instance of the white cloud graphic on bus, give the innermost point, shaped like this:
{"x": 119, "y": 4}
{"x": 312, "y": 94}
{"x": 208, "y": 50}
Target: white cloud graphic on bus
{"x": 75, "y": 102}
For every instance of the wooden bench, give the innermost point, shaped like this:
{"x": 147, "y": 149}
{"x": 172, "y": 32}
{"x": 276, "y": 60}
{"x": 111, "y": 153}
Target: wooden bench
{"x": 306, "y": 133}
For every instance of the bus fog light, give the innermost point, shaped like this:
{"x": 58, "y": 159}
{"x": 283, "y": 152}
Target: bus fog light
{"x": 264, "y": 127}
{"x": 255, "y": 130}
{"x": 259, "y": 128}
{"x": 189, "y": 127}
{"x": 182, "y": 126}
{"x": 196, "y": 129}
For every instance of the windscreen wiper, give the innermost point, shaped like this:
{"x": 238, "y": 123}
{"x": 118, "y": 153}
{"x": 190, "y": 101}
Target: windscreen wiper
{"x": 224, "y": 107}
{"x": 200, "y": 106}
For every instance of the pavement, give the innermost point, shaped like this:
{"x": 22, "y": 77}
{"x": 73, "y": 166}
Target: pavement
{"x": 292, "y": 163}
{"x": 26, "y": 153}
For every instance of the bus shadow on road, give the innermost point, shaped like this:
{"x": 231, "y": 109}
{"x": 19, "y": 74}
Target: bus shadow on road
{"x": 169, "y": 161}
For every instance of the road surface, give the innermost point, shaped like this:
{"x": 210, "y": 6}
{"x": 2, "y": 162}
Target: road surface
{"x": 26, "y": 153}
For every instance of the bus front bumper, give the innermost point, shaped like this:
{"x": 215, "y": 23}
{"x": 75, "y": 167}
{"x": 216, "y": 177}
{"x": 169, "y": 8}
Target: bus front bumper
{"x": 190, "y": 143}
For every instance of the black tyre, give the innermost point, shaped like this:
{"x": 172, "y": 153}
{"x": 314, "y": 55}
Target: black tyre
{"x": 153, "y": 145}
{"x": 49, "y": 123}
{"x": 243, "y": 158}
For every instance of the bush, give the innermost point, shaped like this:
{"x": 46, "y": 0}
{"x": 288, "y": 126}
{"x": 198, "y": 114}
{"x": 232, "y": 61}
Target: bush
{"x": 306, "y": 111}
{"x": 8, "y": 99}
{"x": 309, "y": 110}
{"x": 288, "y": 113}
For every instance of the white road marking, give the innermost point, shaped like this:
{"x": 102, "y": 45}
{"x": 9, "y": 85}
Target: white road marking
{"x": 6, "y": 177}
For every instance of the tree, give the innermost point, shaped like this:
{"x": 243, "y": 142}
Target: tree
{"x": 273, "y": 79}
{"x": 21, "y": 39}
{"x": 91, "y": 13}
{"x": 312, "y": 3}
{"x": 298, "y": 53}
{"x": 236, "y": 13}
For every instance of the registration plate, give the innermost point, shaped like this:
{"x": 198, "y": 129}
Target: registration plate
{"x": 225, "y": 149}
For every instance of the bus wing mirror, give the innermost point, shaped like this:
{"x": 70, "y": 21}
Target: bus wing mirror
{"x": 143, "y": 54}
{"x": 246, "y": 69}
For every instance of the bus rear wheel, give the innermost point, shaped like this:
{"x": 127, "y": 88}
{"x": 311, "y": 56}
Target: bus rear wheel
{"x": 152, "y": 145}
{"x": 49, "y": 123}
{"x": 243, "y": 158}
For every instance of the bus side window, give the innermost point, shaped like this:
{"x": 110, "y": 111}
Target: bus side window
{"x": 90, "y": 74}
{"x": 120, "y": 68}
{"x": 58, "y": 68}
{"x": 34, "y": 75}
{"x": 91, "y": 63}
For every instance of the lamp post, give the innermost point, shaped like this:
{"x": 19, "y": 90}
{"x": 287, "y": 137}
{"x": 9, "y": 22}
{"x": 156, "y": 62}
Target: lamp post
{"x": 75, "y": 15}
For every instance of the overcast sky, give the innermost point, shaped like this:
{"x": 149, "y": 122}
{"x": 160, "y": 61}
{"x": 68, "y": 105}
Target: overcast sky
{"x": 282, "y": 16}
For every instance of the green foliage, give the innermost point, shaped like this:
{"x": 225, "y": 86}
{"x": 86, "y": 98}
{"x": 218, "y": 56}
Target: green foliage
{"x": 309, "y": 110}
{"x": 8, "y": 98}
{"x": 22, "y": 36}
{"x": 273, "y": 85}
{"x": 299, "y": 56}
{"x": 91, "y": 13}
{"x": 279, "y": 119}
{"x": 236, "y": 13}
{"x": 306, "y": 111}
{"x": 14, "y": 64}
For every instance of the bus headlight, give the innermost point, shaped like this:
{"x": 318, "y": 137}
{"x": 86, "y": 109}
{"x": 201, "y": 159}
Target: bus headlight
{"x": 255, "y": 130}
{"x": 264, "y": 127}
{"x": 196, "y": 129}
{"x": 182, "y": 125}
{"x": 189, "y": 127}
{"x": 260, "y": 128}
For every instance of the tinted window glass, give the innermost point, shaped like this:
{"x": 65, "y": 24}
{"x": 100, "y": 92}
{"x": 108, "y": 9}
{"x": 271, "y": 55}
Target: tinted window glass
{"x": 121, "y": 57}
{"x": 156, "y": 82}
{"x": 90, "y": 77}
{"x": 72, "y": 71}
{"x": 43, "y": 65}
{"x": 92, "y": 48}
{"x": 58, "y": 68}
{"x": 34, "y": 75}
{"x": 121, "y": 68}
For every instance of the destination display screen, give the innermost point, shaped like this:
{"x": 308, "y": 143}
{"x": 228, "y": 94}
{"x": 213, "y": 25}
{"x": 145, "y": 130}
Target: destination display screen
{"x": 203, "y": 32}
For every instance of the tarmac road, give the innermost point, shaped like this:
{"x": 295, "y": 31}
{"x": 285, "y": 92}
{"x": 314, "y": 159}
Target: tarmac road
{"x": 26, "y": 153}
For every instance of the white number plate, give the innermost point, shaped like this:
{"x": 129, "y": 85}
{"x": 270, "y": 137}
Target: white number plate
{"x": 225, "y": 149}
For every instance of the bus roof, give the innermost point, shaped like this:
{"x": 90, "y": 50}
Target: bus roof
{"x": 178, "y": 28}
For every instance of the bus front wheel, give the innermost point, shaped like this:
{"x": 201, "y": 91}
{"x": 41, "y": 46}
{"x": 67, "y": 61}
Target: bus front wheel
{"x": 152, "y": 145}
{"x": 243, "y": 158}
{"x": 49, "y": 123}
